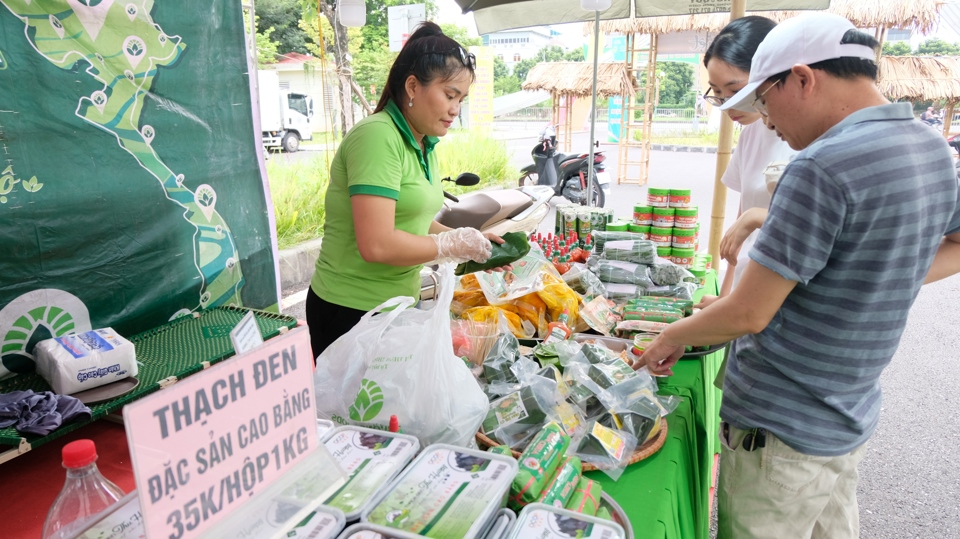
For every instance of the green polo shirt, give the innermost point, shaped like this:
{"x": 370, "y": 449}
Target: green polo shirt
{"x": 379, "y": 156}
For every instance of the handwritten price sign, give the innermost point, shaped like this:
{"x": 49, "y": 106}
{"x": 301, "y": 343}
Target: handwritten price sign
{"x": 206, "y": 445}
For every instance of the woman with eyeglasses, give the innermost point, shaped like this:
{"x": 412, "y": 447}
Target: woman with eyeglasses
{"x": 728, "y": 61}
{"x": 385, "y": 190}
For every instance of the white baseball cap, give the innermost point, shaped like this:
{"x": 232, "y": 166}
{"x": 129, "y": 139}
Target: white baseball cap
{"x": 805, "y": 39}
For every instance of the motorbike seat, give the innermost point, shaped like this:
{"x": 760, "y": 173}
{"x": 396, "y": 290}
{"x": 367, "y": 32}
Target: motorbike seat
{"x": 480, "y": 210}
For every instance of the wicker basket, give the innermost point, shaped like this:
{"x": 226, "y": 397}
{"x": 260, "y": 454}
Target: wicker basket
{"x": 647, "y": 449}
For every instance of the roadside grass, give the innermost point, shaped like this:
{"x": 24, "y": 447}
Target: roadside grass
{"x": 298, "y": 186}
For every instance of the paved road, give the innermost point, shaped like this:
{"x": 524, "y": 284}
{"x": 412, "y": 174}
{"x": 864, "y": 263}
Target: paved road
{"x": 910, "y": 478}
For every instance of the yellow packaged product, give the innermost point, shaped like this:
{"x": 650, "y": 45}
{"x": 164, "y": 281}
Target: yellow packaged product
{"x": 559, "y": 297}
{"x": 532, "y": 309}
{"x": 491, "y": 314}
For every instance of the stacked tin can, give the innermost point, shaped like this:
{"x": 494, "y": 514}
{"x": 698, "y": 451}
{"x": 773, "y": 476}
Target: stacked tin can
{"x": 670, "y": 220}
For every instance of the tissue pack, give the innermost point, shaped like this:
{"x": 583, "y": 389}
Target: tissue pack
{"x": 82, "y": 361}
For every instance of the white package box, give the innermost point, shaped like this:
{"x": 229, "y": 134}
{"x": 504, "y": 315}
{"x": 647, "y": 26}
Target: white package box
{"x": 82, "y": 361}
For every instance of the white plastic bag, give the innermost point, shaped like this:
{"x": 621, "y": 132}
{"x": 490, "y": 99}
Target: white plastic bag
{"x": 401, "y": 363}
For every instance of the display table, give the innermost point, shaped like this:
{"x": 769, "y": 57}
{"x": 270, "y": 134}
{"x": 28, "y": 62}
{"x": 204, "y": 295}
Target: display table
{"x": 668, "y": 494}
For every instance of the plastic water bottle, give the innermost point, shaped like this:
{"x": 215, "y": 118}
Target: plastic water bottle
{"x": 85, "y": 493}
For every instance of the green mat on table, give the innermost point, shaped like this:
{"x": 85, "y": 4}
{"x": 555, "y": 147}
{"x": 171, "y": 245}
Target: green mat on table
{"x": 174, "y": 350}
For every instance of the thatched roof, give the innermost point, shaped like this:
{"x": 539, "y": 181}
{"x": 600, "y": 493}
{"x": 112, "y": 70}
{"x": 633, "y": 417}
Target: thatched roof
{"x": 920, "y": 15}
{"x": 711, "y": 22}
{"x": 913, "y": 78}
{"x": 576, "y": 78}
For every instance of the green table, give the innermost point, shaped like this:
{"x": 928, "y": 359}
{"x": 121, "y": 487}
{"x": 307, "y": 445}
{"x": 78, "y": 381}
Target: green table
{"x": 668, "y": 495}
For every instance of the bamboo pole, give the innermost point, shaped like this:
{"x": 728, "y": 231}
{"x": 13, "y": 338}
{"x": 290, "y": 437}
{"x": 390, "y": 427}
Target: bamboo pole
{"x": 948, "y": 117}
{"x": 724, "y": 150}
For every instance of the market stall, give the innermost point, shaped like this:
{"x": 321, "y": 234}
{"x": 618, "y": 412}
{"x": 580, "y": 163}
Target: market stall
{"x": 919, "y": 78}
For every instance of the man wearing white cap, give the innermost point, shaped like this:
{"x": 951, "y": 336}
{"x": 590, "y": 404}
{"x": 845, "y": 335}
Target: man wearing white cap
{"x": 865, "y": 213}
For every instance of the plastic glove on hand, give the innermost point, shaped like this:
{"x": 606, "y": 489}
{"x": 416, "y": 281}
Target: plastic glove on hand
{"x": 460, "y": 245}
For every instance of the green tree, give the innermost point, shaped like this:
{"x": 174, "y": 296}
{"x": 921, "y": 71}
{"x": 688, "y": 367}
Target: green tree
{"x": 460, "y": 34}
{"x": 938, "y": 47}
{"x": 899, "y": 48}
{"x": 676, "y": 81}
{"x": 506, "y": 85}
{"x": 500, "y": 69}
{"x": 284, "y": 17}
{"x": 522, "y": 68}
{"x": 575, "y": 55}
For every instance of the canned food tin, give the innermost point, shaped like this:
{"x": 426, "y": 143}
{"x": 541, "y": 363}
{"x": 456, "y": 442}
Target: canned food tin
{"x": 661, "y": 237}
{"x": 658, "y": 198}
{"x": 664, "y": 217}
{"x": 684, "y": 257}
{"x": 683, "y": 238}
{"x": 665, "y": 252}
{"x": 680, "y": 198}
{"x": 686, "y": 218}
{"x": 643, "y": 215}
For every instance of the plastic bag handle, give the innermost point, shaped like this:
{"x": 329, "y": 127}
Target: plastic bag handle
{"x": 400, "y": 302}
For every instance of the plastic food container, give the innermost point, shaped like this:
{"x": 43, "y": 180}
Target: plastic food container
{"x": 661, "y": 237}
{"x": 665, "y": 252}
{"x": 324, "y": 523}
{"x": 686, "y": 218}
{"x": 502, "y": 524}
{"x": 640, "y": 229}
{"x": 664, "y": 217}
{"x": 700, "y": 272}
{"x": 364, "y": 530}
{"x": 684, "y": 238}
{"x": 548, "y": 522}
{"x": 658, "y": 198}
{"x": 617, "y": 226}
{"x": 325, "y": 429}
{"x": 707, "y": 260}
{"x": 643, "y": 215}
{"x": 684, "y": 257}
{"x": 446, "y": 492}
{"x": 371, "y": 458}
{"x": 680, "y": 198}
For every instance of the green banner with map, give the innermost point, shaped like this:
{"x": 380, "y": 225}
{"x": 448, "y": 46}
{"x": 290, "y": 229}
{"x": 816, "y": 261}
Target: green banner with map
{"x": 130, "y": 174}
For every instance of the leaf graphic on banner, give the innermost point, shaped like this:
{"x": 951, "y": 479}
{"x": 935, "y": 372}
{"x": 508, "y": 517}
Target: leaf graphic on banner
{"x": 368, "y": 403}
{"x": 32, "y": 185}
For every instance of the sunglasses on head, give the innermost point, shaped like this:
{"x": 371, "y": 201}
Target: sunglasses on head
{"x": 468, "y": 59}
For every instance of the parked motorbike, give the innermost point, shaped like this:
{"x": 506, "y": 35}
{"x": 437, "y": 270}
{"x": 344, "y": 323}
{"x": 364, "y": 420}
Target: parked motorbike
{"x": 497, "y": 211}
{"x": 566, "y": 174}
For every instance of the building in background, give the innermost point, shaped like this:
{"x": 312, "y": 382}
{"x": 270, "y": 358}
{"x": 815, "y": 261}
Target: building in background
{"x": 301, "y": 73}
{"x": 512, "y": 46}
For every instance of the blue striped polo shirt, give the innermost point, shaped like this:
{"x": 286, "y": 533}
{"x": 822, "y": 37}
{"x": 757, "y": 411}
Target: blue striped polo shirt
{"x": 856, "y": 220}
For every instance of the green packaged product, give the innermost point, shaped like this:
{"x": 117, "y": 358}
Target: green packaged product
{"x": 681, "y": 291}
{"x": 639, "y": 422}
{"x": 514, "y": 414}
{"x": 653, "y": 314}
{"x": 501, "y": 450}
{"x": 664, "y": 252}
{"x": 580, "y": 396}
{"x": 635, "y": 251}
{"x": 538, "y": 462}
{"x": 607, "y": 375}
{"x": 586, "y": 497}
{"x": 515, "y": 246}
{"x": 617, "y": 272}
{"x": 685, "y": 305}
{"x": 666, "y": 273}
{"x": 604, "y": 513}
{"x": 505, "y": 352}
{"x": 596, "y": 353}
{"x": 601, "y": 443}
{"x": 563, "y": 483}
{"x": 620, "y": 293}
{"x": 600, "y": 238}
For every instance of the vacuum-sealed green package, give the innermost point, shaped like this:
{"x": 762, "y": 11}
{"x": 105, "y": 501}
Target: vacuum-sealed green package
{"x": 563, "y": 484}
{"x": 653, "y": 314}
{"x": 501, "y": 450}
{"x": 496, "y": 366}
{"x": 586, "y": 497}
{"x": 616, "y": 272}
{"x": 604, "y": 514}
{"x": 610, "y": 374}
{"x": 636, "y": 251}
{"x": 513, "y": 415}
{"x": 596, "y": 353}
{"x": 515, "y": 246}
{"x": 538, "y": 462}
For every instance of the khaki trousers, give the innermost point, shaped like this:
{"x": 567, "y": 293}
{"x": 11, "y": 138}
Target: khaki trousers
{"x": 775, "y": 492}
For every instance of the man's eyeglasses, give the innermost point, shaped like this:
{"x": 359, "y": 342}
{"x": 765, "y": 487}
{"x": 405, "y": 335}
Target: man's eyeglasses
{"x": 761, "y": 106}
{"x": 468, "y": 59}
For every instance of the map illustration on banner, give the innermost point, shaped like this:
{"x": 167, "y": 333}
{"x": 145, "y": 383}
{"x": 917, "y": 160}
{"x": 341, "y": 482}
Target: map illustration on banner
{"x": 145, "y": 167}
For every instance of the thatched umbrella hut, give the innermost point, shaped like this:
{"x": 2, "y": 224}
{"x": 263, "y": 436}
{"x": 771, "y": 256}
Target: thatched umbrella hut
{"x": 928, "y": 78}
{"x": 565, "y": 80}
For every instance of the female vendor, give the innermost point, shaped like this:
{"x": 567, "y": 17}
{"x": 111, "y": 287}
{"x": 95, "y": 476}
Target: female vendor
{"x": 385, "y": 191}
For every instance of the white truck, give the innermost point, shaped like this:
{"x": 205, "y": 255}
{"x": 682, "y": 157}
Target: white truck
{"x": 286, "y": 118}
